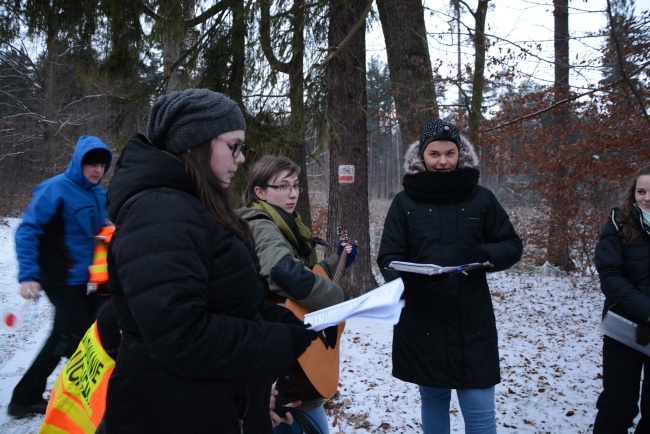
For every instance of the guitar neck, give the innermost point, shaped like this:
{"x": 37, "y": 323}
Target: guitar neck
{"x": 340, "y": 267}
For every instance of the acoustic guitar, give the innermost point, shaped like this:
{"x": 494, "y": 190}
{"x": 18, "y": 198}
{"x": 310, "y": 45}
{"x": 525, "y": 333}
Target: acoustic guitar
{"x": 316, "y": 375}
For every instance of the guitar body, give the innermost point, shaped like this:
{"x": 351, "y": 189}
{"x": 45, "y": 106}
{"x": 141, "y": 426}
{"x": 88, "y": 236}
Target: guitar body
{"x": 319, "y": 365}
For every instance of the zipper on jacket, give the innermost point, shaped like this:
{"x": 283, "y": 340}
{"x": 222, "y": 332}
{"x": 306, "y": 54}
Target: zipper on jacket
{"x": 241, "y": 419}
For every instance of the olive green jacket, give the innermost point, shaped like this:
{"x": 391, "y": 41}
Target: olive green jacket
{"x": 288, "y": 276}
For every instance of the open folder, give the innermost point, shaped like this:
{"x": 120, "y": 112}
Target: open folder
{"x": 433, "y": 269}
{"x": 623, "y": 330}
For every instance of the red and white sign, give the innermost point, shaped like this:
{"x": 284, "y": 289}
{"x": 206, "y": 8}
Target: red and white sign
{"x": 346, "y": 174}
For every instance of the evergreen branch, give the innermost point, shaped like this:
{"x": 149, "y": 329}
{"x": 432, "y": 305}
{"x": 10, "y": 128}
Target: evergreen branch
{"x": 621, "y": 61}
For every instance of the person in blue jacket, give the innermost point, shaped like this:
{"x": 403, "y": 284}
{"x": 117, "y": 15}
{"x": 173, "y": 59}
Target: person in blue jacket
{"x": 54, "y": 247}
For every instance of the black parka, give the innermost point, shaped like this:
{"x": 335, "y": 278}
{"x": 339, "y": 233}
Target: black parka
{"x": 196, "y": 355}
{"x": 446, "y": 336}
{"x": 624, "y": 271}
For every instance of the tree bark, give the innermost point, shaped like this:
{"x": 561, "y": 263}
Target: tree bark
{"x": 172, "y": 34}
{"x": 558, "y": 235}
{"x": 348, "y": 203}
{"x": 475, "y": 114}
{"x": 238, "y": 32}
{"x": 50, "y": 164}
{"x": 409, "y": 64}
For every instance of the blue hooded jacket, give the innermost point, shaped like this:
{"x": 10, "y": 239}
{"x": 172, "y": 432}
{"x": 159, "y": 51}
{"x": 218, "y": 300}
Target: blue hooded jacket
{"x": 55, "y": 240}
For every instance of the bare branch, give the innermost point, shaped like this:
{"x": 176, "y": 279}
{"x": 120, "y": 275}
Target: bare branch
{"x": 265, "y": 39}
{"x": 566, "y": 100}
{"x": 621, "y": 61}
{"x": 333, "y": 51}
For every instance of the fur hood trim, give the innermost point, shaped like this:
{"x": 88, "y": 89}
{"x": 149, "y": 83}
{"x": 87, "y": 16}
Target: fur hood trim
{"x": 413, "y": 161}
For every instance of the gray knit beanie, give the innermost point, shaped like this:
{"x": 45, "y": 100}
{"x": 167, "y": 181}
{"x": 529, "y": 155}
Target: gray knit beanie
{"x": 436, "y": 130}
{"x": 182, "y": 120}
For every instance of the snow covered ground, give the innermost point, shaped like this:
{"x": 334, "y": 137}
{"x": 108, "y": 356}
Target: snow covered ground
{"x": 549, "y": 343}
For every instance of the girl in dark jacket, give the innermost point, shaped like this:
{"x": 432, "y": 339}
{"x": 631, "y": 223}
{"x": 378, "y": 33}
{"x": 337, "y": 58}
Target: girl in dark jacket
{"x": 198, "y": 354}
{"x": 623, "y": 264}
{"x": 446, "y": 337}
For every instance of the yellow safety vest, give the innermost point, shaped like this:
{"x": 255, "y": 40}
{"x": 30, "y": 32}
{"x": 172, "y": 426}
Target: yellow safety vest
{"x": 78, "y": 400}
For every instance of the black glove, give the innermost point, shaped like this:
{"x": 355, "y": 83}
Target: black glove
{"x": 291, "y": 318}
{"x": 643, "y": 334}
{"x": 301, "y": 338}
{"x": 330, "y": 334}
{"x": 475, "y": 255}
{"x": 273, "y": 312}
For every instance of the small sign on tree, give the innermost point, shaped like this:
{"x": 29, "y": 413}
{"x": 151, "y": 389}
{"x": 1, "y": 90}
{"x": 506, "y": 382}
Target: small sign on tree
{"x": 346, "y": 174}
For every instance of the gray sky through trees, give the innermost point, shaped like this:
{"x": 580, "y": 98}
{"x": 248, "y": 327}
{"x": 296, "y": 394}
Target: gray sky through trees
{"x": 513, "y": 26}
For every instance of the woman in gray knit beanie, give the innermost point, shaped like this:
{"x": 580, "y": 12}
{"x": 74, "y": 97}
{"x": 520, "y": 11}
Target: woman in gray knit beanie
{"x": 185, "y": 283}
{"x": 184, "y": 120}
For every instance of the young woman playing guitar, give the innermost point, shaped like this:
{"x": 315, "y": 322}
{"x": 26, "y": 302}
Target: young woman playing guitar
{"x": 285, "y": 248}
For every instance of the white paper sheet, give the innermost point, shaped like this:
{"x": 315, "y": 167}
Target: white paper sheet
{"x": 381, "y": 304}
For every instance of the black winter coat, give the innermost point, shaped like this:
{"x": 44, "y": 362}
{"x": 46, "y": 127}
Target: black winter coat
{"x": 624, "y": 272}
{"x": 446, "y": 336}
{"x": 196, "y": 355}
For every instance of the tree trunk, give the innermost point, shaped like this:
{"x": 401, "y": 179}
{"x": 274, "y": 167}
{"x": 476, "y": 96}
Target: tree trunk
{"x": 238, "y": 32}
{"x": 409, "y": 65}
{"x": 348, "y": 203}
{"x": 558, "y": 234}
{"x": 52, "y": 97}
{"x": 298, "y": 121}
{"x": 475, "y": 114}
{"x": 173, "y": 31}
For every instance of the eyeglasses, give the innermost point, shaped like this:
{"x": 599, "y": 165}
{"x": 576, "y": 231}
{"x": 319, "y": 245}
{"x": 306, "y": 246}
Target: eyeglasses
{"x": 285, "y": 188}
{"x": 236, "y": 148}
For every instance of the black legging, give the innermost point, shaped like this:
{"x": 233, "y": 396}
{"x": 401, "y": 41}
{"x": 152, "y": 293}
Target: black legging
{"x": 618, "y": 402}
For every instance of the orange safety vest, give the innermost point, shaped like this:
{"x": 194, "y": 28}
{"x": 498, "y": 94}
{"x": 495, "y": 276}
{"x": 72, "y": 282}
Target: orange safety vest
{"x": 99, "y": 268}
{"x": 78, "y": 400}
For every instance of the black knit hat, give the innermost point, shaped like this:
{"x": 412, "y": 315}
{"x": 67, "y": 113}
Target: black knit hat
{"x": 182, "y": 120}
{"x": 96, "y": 156}
{"x": 436, "y": 130}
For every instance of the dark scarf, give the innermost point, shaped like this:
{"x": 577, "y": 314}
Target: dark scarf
{"x": 441, "y": 188}
{"x": 292, "y": 228}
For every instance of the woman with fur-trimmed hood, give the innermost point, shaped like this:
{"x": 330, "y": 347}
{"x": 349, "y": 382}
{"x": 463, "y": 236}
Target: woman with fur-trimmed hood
{"x": 446, "y": 337}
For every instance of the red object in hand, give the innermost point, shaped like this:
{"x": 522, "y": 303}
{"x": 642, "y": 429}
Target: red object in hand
{"x": 14, "y": 318}
{"x": 9, "y": 320}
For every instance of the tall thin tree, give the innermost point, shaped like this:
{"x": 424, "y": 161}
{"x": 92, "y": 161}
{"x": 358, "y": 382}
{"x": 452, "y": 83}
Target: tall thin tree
{"x": 558, "y": 251}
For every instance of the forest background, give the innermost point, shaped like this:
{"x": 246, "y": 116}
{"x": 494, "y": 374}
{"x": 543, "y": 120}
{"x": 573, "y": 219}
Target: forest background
{"x": 559, "y": 113}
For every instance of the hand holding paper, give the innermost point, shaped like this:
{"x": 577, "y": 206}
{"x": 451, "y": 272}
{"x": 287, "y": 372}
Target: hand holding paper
{"x": 381, "y": 304}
